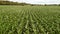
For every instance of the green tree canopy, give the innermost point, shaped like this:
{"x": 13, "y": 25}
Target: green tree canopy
{"x": 3, "y": 0}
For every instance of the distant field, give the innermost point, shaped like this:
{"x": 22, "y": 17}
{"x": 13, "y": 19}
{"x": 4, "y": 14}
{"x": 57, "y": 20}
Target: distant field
{"x": 29, "y": 19}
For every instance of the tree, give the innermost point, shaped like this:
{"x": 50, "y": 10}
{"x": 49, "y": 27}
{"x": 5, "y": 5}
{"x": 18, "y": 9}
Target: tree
{"x": 3, "y": 0}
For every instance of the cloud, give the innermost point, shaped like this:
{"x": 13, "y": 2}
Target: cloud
{"x": 39, "y": 1}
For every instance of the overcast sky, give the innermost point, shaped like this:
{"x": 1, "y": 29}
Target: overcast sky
{"x": 39, "y": 1}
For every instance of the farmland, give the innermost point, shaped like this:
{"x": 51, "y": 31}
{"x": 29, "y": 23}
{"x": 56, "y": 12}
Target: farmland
{"x": 29, "y": 19}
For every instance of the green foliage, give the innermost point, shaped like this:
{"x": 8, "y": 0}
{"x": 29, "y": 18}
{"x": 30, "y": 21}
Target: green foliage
{"x": 7, "y": 3}
{"x": 29, "y": 19}
{"x": 11, "y": 3}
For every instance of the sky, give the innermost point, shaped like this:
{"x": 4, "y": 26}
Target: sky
{"x": 39, "y": 1}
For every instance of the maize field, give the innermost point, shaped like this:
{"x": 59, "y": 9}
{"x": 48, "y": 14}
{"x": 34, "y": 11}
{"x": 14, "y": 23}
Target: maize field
{"x": 29, "y": 19}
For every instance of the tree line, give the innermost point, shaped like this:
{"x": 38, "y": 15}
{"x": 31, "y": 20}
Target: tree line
{"x": 16, "y": 3}
{"x": 11, "y": 3}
